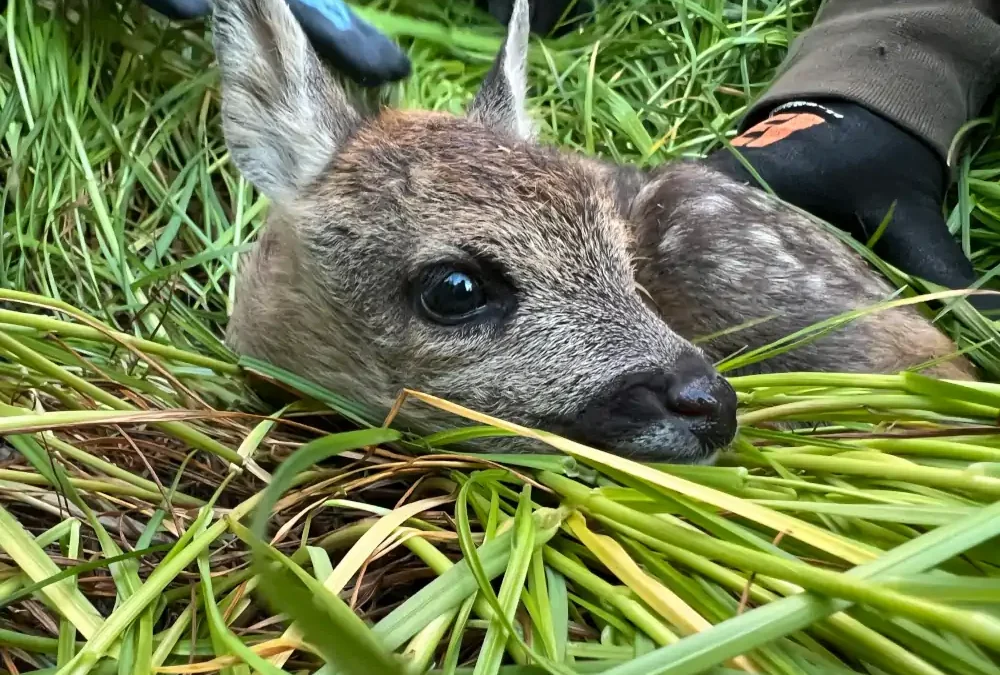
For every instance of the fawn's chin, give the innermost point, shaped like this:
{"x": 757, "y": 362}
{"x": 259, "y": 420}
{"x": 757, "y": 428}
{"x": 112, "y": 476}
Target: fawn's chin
{"x": 665, "y": 441}
{"x": 668, "y": 443}
{"x": 661, "y": 442}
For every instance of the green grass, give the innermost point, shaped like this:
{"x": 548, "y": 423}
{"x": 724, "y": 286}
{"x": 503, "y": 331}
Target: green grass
{"x": 154, "y": 517}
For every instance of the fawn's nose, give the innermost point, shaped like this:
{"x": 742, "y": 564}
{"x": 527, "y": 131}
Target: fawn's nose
{"x": 703, "y": 395}
{"x": 684, "y": 413}
{"x": 695, "y": 392}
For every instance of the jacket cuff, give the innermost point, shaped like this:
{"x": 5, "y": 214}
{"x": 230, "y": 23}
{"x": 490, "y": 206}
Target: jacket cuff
{"x": 929, "y": 67}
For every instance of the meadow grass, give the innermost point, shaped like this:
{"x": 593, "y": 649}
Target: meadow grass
{"x": 155, "y": 517}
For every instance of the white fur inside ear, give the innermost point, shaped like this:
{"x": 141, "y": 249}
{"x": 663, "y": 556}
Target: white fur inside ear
{"x": 283, "y": 116}
{"x": 500, "y": 103}
{"x": 515, "y": 65}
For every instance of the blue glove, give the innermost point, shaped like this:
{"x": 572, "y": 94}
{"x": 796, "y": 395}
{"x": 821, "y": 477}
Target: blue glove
{"x": 352, "y": 46}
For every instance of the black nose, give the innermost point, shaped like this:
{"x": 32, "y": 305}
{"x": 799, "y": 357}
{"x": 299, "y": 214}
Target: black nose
{"x": 700, "y": 396}
{"x": 682, "y": 413}
{"x": 696, "y": 391}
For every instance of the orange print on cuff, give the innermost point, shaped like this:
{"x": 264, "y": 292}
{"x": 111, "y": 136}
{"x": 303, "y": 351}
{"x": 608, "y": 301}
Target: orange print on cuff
{"x": 776, "y": 128}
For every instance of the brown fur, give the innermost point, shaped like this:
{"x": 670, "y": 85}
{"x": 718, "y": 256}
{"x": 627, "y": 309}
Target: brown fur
{"x": 720, "y": 254}
{"x": 362, "y": 203}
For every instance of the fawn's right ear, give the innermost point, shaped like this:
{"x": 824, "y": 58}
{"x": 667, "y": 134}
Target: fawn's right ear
{"x": 283, "y": 115}
{"x": 500, "y": 102}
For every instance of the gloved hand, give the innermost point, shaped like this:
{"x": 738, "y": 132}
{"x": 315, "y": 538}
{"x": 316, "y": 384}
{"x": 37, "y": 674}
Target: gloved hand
{"x": 355, "y": 48}
{"x": 352, "y": 46}
{"x": 847, "y": 165}
{"x": 181, "y": 10}
{"x": 545, "y": 14}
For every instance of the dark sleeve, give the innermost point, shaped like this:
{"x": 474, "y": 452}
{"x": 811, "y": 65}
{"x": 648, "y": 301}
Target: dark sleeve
{"x": 927, "y": 65}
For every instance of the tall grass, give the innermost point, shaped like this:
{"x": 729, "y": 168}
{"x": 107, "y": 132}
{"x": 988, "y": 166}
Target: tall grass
{"x": 156, "y": 517}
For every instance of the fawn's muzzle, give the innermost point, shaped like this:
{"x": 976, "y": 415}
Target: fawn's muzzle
{"x": 706, "y": 400}
{"x": 684, "y": 414}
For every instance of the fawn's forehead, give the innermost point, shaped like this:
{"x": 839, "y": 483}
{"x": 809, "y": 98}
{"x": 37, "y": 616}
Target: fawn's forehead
{"x": 457, "y": 183}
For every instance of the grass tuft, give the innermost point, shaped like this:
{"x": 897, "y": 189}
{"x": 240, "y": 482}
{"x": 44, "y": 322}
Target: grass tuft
{"x": 156, "y": 518}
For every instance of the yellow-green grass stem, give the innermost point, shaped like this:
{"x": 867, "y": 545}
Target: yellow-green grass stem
{"x": 128, "y": 611}
{"x": 951, "y": 479}
{"x": 46, "y": 325}
{"x": 980, "y": 627}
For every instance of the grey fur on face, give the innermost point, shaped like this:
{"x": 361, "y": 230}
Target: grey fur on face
{"x": 458, "y": 257}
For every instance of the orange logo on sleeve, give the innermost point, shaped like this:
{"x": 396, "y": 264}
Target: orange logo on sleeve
{"x": 776, "y": 128}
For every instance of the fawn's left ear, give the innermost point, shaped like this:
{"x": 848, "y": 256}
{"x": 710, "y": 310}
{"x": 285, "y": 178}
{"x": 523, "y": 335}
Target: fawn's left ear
{"x": 500, "y": 102}
{"x": 283, "y": 115}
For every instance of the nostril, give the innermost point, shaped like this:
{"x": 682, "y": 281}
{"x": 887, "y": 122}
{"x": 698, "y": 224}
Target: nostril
{"x": 694, "y": 398}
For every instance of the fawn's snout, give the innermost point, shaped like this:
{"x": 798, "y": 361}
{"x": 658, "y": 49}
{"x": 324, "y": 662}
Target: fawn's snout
{"x": 705, "y": 399}
{"x": 684, "y": 413}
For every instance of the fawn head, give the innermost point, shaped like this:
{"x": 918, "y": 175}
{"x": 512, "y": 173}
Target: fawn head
{"x": 452, "y": 255}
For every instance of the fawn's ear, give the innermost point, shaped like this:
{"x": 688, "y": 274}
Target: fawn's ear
{"x": 283, "y": 115}
{"x": 499, "y": 104}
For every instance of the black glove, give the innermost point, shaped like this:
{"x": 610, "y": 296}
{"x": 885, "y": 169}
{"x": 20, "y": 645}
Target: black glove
{"x": 847, "y": 165}
{"x": 545, "y": 14}
{"x": 181, "y": 10}
{"x": 352, "y": 46}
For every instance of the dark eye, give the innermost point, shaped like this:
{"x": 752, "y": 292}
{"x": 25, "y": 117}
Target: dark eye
{"x": 450, "y": 296}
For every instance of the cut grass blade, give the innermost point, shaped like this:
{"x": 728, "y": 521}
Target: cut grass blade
{"x": 33, "y": 561}
{"x": 451, "y": 588}
{"x": 779, "y": 522}
{"x": 359, "y": 553}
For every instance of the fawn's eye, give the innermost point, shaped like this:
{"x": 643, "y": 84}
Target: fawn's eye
{"x": 450, "y": 296}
